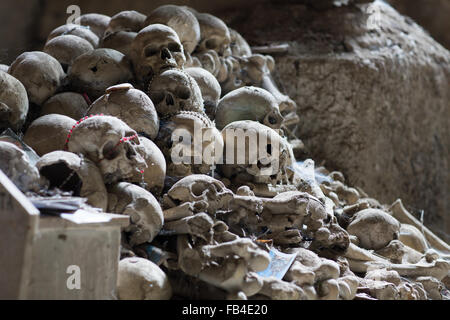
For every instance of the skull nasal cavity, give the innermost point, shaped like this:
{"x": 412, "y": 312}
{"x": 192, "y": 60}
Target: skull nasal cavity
{"x": 169, "y": 100}
{"x": 165, "y": 54}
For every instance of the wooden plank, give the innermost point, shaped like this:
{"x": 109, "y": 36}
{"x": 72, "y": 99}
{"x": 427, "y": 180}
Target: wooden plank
{"x": 19, "y": 221}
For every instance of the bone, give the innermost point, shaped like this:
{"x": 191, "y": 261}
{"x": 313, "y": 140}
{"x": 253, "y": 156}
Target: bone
{"x": 13, "y": 102}
{"x": 281, "y": 290}
{"x": 96, "y": 22}
{"x": 199, "y": 225}
{"x": 40, "y": 74}
{"x": 401, "y": 214}
{"x": 66, "y": 48}
{"x": 121, "y": 131}
{"x": 93, "y": 72}
{"x": 179, "y": 212}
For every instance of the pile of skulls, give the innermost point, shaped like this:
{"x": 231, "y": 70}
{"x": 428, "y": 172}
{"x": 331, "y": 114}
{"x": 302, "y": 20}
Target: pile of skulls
{"x": 106, "y": 105}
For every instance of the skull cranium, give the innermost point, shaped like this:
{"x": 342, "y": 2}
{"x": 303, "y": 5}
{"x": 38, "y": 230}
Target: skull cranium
{"x": 156, "y": 48}
{"x": 174, "y": 91}
{"x": 111, "y": 144}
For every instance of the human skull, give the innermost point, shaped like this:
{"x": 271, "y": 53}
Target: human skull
{"x": 202, "y": 191}
{"x": 214, "y": 34}
{"x": 67, "y": 48}
{"x": 145, "y": 213}
{"x": 156, "y": 48}
{"x": 248, "y": 103}
{"x": 130, "y": 105}
{"x": 210, "y": 61}
{"x": 239, "y": 46}
{"x": 141, "y": 279}
{"x": 173, "y": 91}
{"x": 190, "y": 144}
{"x": 96, "y": 22}
{"x": 120, "y": 41}
{"x": 17, "y": 167}
{"x": 126, "y": 21}
{"x": 209, "y": 87}
{"x": 155, "y": 173}
{"x": 69, "y": 172}
{"x": 181, "y": 20}
{"x": 93, "y": 72}
{"x": 13, "y": 102}
{"x": 70, "y": 104}
{"x": 254, "y": 153}
{"x": 76, "y": 30}
{"x": 374, "y": 228}
{"x": 40, "y": 73}
{"x": 110, "y": 143}
{"x": 48, "y": 133}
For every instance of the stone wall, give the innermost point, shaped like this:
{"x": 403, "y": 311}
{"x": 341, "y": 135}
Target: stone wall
{"x": 374, "y": 102}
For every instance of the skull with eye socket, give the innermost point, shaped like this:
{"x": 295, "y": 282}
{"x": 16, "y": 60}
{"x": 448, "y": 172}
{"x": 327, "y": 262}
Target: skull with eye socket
{"x": 111, "y": 144}
{"x": 155, "y": 49}
{"x": 173, "y": 91}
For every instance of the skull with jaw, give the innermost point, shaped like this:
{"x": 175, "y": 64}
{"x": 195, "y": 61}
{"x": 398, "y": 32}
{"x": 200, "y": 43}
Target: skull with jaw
{"x": 248, "y": 103}
{"x": 181, "y": 20}
{"x": 174, "y": 91}
{"x": 156, "y": 48}
{"x": 111, "y": 144}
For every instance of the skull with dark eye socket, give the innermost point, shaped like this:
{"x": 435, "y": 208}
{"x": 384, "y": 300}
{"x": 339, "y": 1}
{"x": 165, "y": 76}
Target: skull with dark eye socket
{"x": 173, "y": 91}
{"x": 215, "y": 35}
{"x": 155, "y": 49}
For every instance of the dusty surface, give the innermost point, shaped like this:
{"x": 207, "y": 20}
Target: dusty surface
{"x": 374, "y": 103}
